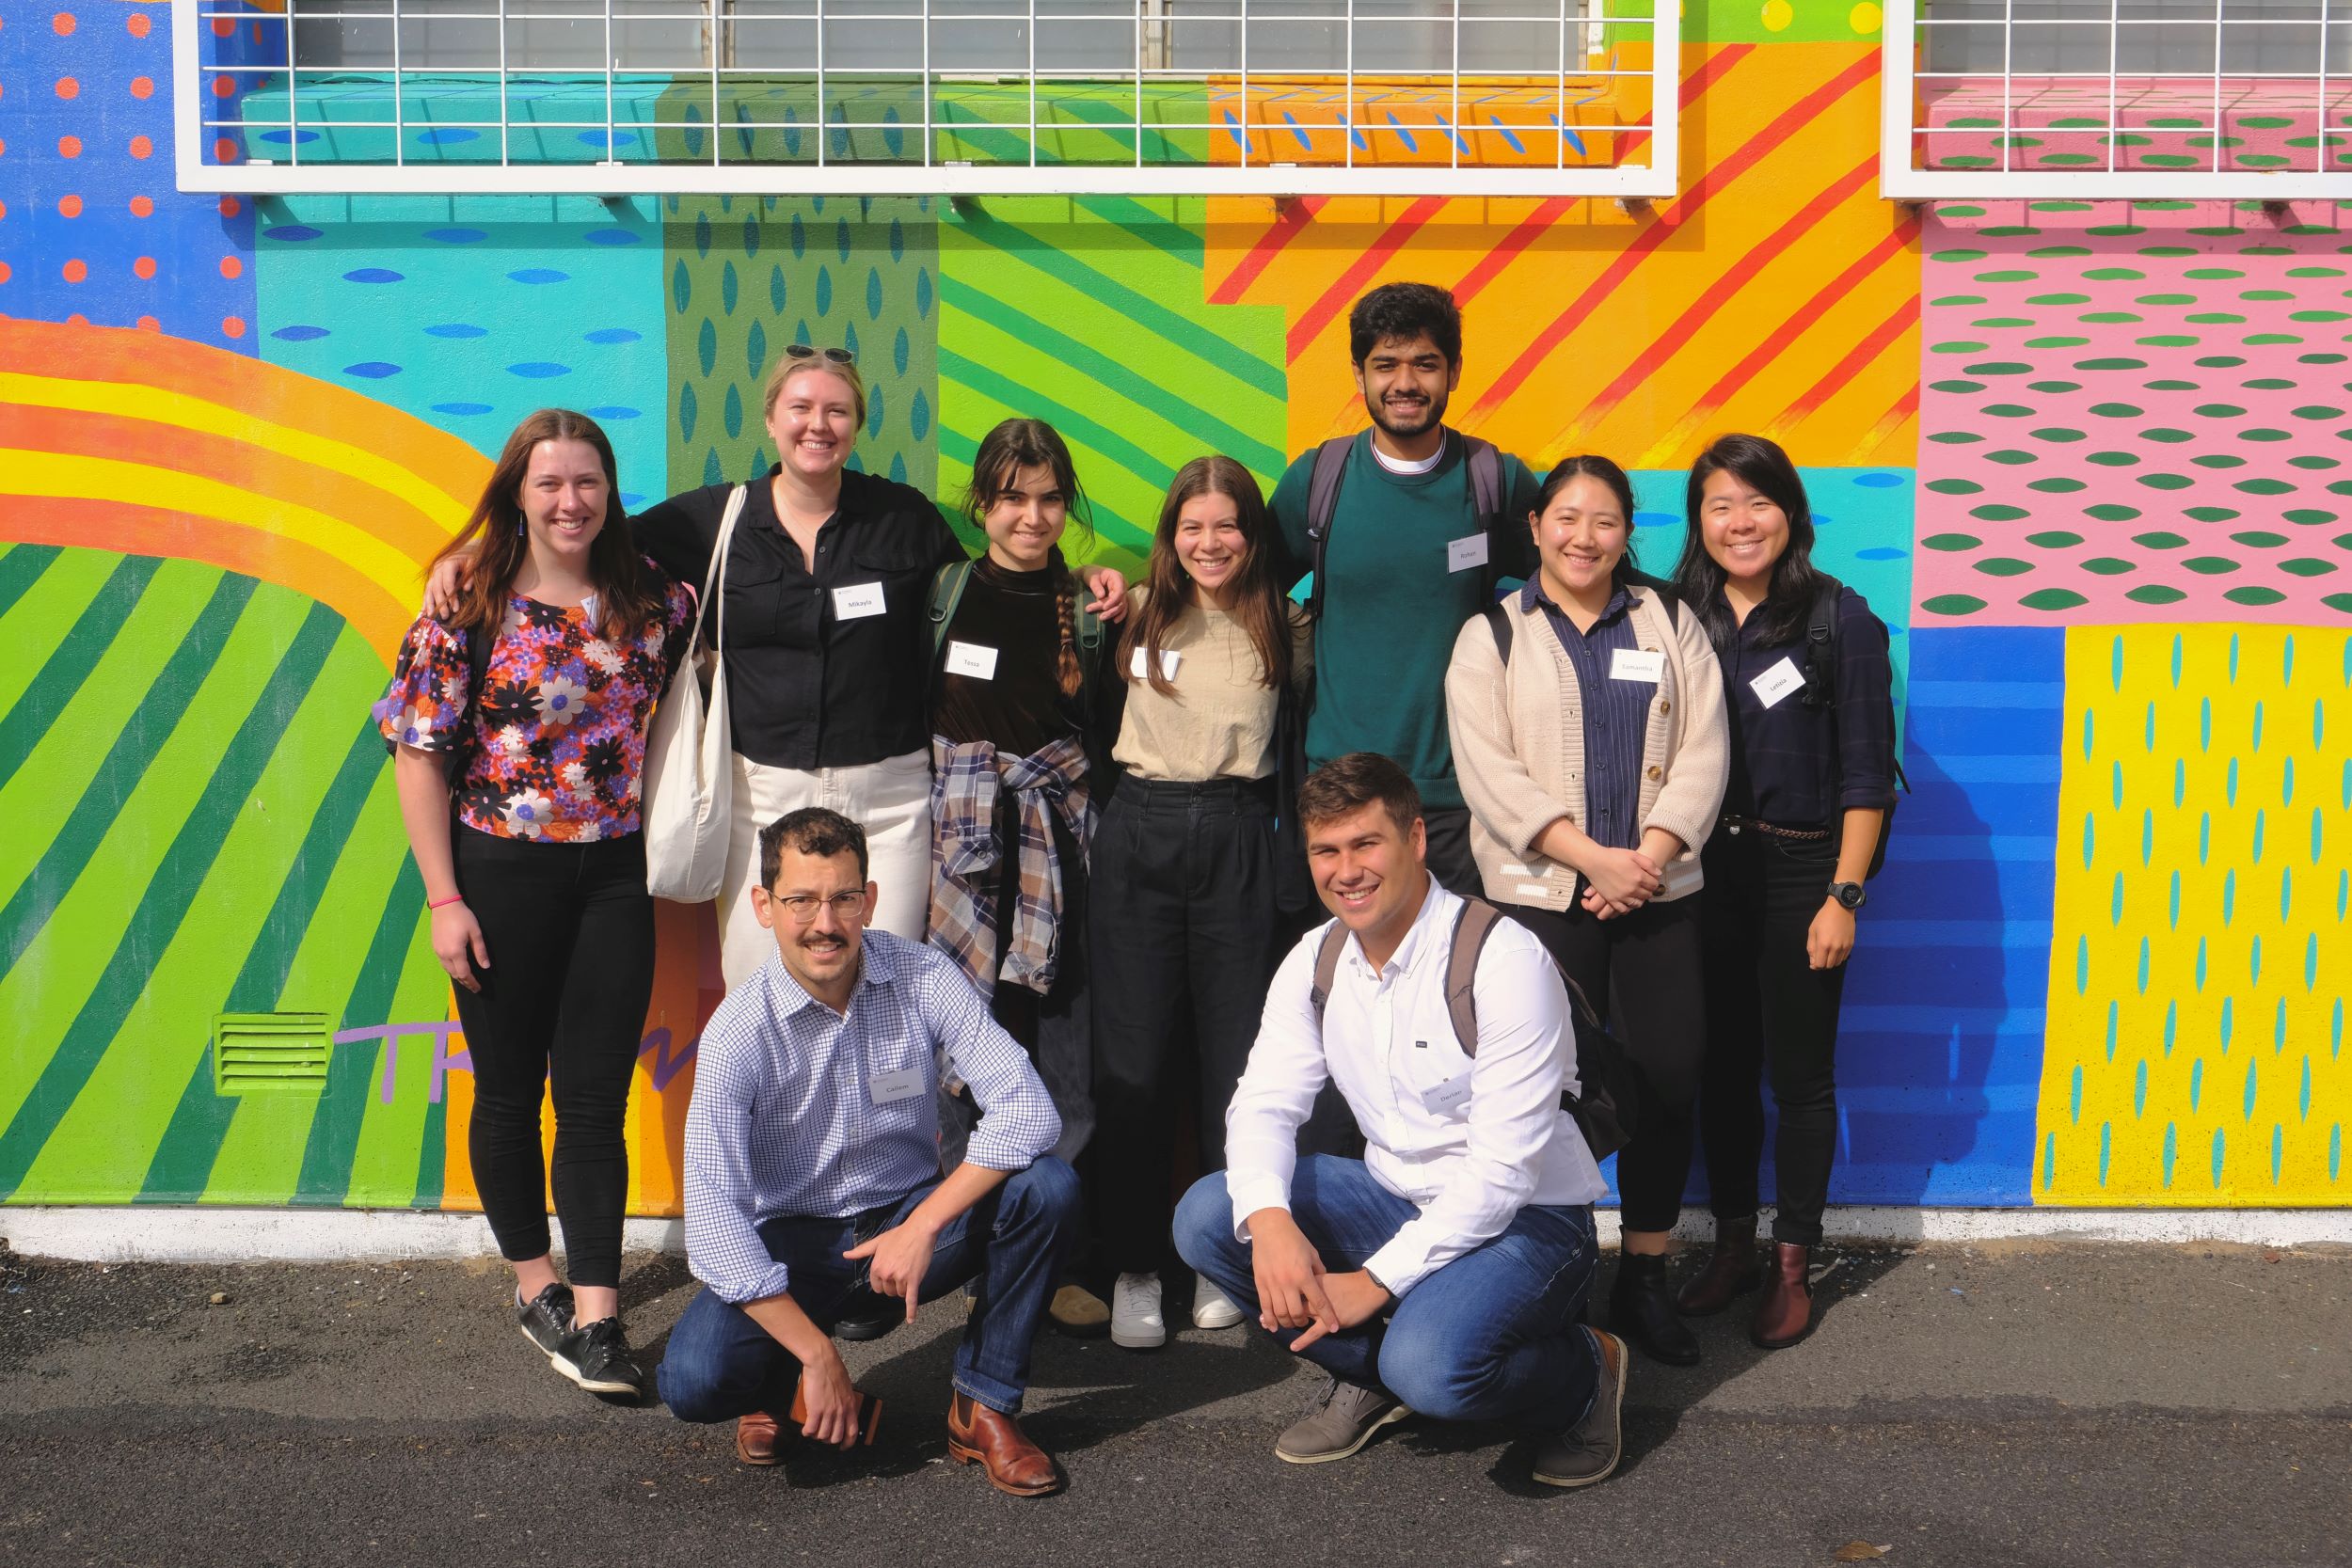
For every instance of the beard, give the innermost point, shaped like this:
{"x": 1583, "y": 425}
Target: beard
{"x": 1406, "y": 420}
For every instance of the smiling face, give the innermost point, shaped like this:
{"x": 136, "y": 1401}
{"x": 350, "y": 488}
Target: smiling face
{"x": 1580, "y": 537}
{"x": 820, "y": 927}
{"x": 1370, "y": 873}
{"x": 1406, "y": 382}
{"x": 1025, "y": 518}
{"x": 814, "y": 422}
{"x": 1210, "y": 544}
{"x": 1745, "y": 528}
{"x": 563, "y": 497}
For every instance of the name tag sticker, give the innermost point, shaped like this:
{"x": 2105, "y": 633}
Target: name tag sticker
{"x": 1777, "y": 682}
{"x": 1463, "y": 554}
{"x": 1452, "y": 1093}
{"x": 971, "y": 658}
{"x": 1638, "y": 664}
{"x": 857, "y": 601}
{"x": 1169, "y": 658}
{"x": 885, "y": 1088}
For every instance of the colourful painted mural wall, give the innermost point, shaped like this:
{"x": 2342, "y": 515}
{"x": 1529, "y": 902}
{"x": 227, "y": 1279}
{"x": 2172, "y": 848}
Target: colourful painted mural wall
{"x": 2091, "y": 463}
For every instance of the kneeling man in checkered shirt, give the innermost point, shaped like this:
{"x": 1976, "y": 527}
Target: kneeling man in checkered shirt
{"x": 813, "y": 1181}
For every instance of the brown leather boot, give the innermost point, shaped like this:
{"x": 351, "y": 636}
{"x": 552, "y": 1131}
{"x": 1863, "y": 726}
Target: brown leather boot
{"x": 1731, "y": 1270}
{"x": 993, "y": 1440}
{"x": 755, "y": 1437}
{"x": 1784, "y": 1315}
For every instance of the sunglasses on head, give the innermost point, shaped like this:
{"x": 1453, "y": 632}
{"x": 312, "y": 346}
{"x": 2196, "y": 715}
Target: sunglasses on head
{"x": 802, "y": 351}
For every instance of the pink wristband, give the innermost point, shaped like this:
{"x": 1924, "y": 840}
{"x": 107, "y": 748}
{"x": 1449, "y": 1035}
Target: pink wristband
{"x": 444, "y": 903}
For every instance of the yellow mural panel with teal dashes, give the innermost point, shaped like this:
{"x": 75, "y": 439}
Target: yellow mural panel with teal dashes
{"x": 2195, "y": 1054}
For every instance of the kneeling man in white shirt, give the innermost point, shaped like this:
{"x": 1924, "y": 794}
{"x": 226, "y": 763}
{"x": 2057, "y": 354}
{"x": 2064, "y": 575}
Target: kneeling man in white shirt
{"x": 1441, "y": 1275}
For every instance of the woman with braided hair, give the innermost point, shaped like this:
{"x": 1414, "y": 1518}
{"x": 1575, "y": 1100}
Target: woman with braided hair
{"x": 1015, "y": 748}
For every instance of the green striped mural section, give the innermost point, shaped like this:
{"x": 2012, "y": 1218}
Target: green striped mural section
{"x": 1090, "y": 315}
{"x": 202, "y": 821}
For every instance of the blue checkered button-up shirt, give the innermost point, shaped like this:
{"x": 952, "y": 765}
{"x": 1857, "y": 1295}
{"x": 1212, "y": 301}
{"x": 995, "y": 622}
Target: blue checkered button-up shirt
{"x": 784, "y": 1120}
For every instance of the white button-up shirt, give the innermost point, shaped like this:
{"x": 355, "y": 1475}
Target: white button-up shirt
{"x": 1466, "y": 1140}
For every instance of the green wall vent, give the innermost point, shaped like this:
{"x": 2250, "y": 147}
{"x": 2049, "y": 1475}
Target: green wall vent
{"x": 270, "y": 1053}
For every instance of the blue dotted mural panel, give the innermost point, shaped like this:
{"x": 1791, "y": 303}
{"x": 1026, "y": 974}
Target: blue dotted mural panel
{"x": 472, "y": 313}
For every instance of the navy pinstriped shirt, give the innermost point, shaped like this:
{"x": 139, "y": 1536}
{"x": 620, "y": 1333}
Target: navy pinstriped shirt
{"x": 1616, "y": 714}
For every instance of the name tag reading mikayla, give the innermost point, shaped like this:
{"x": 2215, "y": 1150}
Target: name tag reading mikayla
{"x": 885, "y": 1088}
{"x": 1638, "y": 664}
{"x": 1777, "y": 682}
{"x": 972, "y": 659}
{"x": 857, "y": 601}
{"x": 1169, "y": 658}
{"x": 1463, "y": 554}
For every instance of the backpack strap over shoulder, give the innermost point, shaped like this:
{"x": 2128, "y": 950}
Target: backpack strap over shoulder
{"x": 1486, "y": 476}
{"x": 947, "y": 593}
{"x": 1326, "y": 968}
{"x": 1498, "y": 621}
{"x": 1820, "y": 644}
{"x": 1323, "y": 504}
{"x": 1473, "y": 924}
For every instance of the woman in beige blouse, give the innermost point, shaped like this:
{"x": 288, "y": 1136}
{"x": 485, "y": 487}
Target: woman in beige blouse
{"x": 1587, "y": 719}
{"x": 1183, "y": 925}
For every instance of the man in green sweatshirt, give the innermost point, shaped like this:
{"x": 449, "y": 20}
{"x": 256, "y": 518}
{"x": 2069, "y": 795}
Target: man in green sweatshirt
{"x": 1408, "y": 554}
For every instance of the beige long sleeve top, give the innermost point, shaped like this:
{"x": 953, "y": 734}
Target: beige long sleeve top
{"x": 1219, "y": 721}
{"x": 1519, "y": 747}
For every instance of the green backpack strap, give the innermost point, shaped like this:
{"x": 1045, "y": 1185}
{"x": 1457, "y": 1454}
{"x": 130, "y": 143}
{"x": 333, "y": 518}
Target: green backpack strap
{"x": 947, "y": 593}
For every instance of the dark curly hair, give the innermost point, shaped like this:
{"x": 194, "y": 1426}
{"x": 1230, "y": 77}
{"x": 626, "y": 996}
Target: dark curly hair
{"x": 1405, "y": 311}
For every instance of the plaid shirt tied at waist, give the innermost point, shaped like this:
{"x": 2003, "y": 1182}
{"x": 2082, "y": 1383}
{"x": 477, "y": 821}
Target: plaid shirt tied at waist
{"x": 965, "y": 855}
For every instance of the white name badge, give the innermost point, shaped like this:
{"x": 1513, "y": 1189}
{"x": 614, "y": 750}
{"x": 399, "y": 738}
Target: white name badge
{"x": 1638, "y": 664}
{"x": 1463, "y": 554}
{"x": 885, "y": 1088}
{"x": 970, "y": 659}
{"x": 857, "y": 601}
{"x": 1169, "y": 658}
{"x": 1777, "y": 682}
{"x": 1446, "y": 1095}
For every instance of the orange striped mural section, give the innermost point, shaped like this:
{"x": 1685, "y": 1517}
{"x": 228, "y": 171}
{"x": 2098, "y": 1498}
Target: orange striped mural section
{"x": 1790, "y": 308}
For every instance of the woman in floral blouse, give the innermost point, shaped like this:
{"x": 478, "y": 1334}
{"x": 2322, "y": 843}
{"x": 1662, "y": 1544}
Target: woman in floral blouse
{"x": 537, "y": 888}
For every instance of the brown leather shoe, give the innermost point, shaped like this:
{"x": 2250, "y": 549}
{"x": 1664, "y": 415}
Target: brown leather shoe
{"x": 1784, "y": 1315}
{"x": 1731, "y": 1270}
{"x": 992, "y": 1439}
{"x": 755, "y": 1438}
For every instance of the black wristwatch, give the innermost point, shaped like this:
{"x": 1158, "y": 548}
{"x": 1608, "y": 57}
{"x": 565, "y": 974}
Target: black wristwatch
{"x": 1850, "y": 896}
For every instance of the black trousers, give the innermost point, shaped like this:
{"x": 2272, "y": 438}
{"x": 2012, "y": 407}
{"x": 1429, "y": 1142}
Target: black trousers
{"x": 1644, "y": 968}
{"x": 1184, "y": 941}
{"x": 1449, "y": 858}
{"x": 569, "y": 927}
{"x": 1768, "y": 1011}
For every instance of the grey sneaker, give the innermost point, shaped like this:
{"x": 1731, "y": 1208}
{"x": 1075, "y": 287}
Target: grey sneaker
{"x": 546, "y": 1317}
{"x": 1342, "y": 1420}
{"x": 1589, "y": 1450}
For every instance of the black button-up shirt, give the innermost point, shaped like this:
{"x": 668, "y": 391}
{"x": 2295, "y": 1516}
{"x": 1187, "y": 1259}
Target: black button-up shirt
{"x": 1616, "y": 715}
{"x": 807, "y": 688}
{"x": 1800, "y": 766}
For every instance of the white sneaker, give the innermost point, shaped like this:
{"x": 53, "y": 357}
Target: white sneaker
{"x": 1210, "y": 1307}
{"x": 1135, "y": 1321}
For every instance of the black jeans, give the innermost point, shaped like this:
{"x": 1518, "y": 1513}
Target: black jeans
{"x": 1449, "y": 858}
{"x": 1183, "y": 944}
{"x": 569, "y": 927}
{"x": 1645, "y": 966}
{"x": 1768, "y": 1010}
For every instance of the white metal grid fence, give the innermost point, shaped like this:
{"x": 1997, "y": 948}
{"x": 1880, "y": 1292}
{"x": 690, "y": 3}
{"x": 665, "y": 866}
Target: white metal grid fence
{"x": 936, "y": 97}
{"x": 2138, "y": 99}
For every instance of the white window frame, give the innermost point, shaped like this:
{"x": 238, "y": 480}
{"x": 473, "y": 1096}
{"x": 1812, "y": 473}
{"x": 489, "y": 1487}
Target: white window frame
{"x": 1658, "y": 177}
{"x": 1900, "y": 179}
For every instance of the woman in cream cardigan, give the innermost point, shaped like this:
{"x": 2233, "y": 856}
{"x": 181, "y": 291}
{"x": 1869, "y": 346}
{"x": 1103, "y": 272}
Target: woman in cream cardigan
{"x": 1587, "y": 719}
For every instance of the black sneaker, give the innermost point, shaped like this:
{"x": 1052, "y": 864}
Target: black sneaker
{"x": 546, "y": 1318}
{"x": 597, "y": 1358}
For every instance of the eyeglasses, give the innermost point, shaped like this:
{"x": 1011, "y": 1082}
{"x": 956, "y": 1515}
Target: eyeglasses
{"x": 803, "y": 907}
{"x": 802, "y": 351}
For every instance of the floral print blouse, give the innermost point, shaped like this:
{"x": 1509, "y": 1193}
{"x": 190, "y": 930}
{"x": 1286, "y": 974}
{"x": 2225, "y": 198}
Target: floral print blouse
{"x": 559, "y": 745}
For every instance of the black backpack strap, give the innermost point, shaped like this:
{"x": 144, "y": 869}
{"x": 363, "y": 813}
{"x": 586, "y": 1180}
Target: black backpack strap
{"x": 1821, "y": 645}
{"x": 1485, "y": 477}
{"x": 479, "y": 641}
{"x": 1498, "y": 621}
{"x": 947, "y": 593}
{"x": 1323, "y": 504}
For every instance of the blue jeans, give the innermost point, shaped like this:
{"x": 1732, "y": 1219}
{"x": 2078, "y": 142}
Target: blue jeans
{"x": 721, "y": 1363}
{"x": 1490, "y": 1337}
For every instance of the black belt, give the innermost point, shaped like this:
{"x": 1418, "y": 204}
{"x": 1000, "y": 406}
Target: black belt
{"x": 1172, "y": 790}
{"x": 1736, "y": 825}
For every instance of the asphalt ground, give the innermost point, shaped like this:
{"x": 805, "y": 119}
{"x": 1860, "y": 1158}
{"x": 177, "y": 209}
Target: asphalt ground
{"x": 2024, "y": 1404}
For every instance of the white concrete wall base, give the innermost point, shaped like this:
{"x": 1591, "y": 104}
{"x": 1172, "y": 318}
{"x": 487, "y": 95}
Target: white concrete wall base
{"x": 207, "y": 1235}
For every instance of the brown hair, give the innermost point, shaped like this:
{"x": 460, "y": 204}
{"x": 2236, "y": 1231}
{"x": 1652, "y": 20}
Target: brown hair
{"x": 1004, "y": 451}
{"x": 1347, "y": 785}
{"x": 496, "y": 543}
{"x": 1257, "y": 603}
{"x": 789, "y": 365}
{"x": 812, "y": 830}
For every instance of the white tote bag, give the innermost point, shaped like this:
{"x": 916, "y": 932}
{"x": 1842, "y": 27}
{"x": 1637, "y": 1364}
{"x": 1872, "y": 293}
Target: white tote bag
{"x": 689, "y": 779}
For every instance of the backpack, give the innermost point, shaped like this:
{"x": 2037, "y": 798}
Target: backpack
{"x": 1499, "y": 619}
{"x": 948, "y": 591}
{"x": 1323, "y": 498}
{"x": 1821, "y": 691}
{"x": 1607, "y": 1109}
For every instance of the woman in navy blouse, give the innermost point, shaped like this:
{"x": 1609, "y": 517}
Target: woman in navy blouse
{"x": 1811, "y": 782}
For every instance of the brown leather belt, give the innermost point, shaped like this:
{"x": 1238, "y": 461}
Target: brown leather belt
{"x": 1752, "y": 824}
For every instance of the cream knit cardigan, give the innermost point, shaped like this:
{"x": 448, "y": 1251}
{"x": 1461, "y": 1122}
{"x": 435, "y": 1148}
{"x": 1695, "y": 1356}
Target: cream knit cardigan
{"x": 1519, "y": 747}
